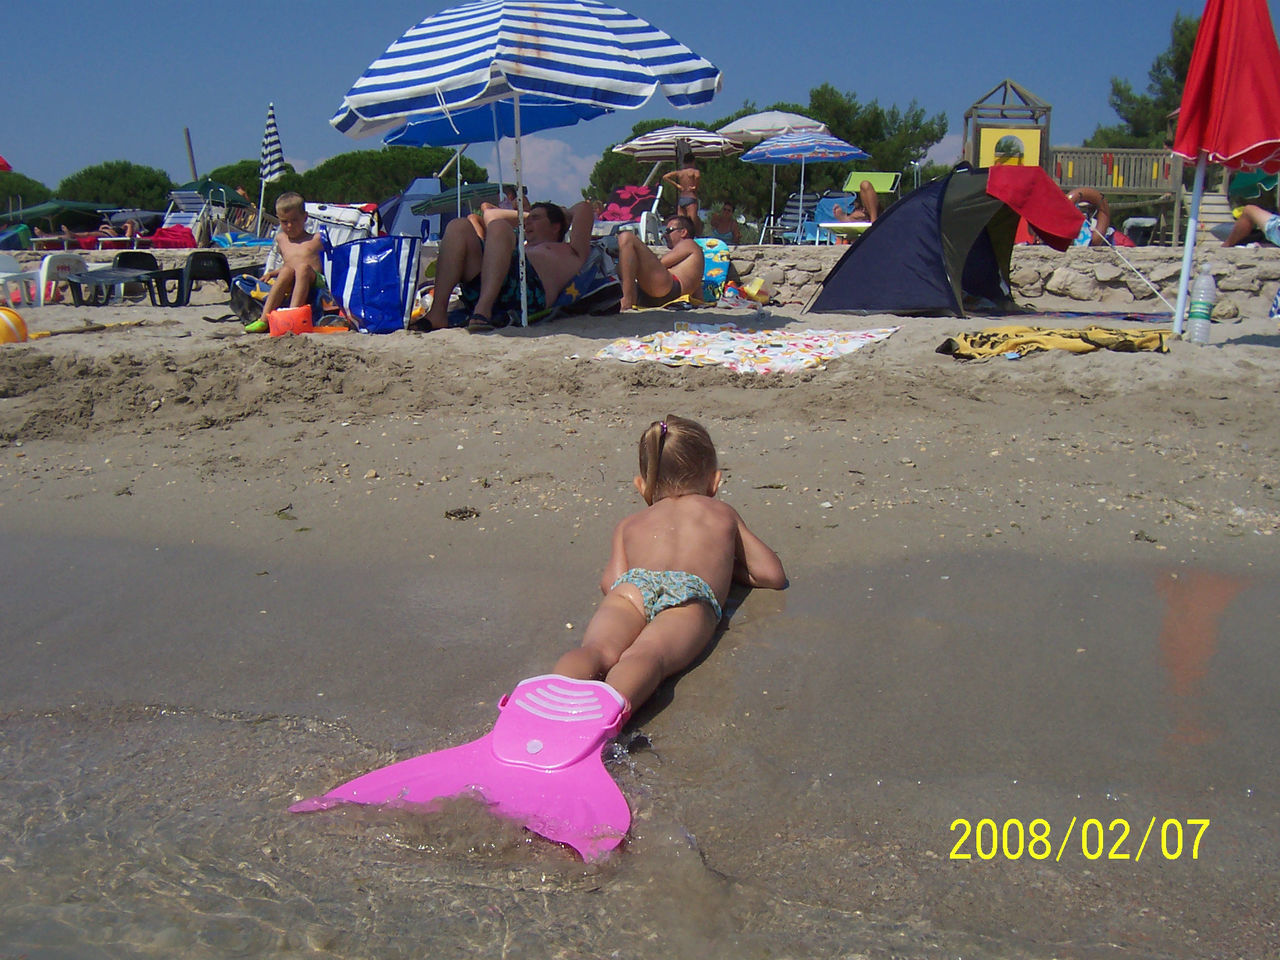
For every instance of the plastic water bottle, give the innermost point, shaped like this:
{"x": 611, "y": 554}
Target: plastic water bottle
{"x": 1204, "y": 293}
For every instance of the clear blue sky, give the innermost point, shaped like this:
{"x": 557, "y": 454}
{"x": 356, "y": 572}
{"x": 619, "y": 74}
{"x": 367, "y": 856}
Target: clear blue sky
{"x": 125, "y": 77}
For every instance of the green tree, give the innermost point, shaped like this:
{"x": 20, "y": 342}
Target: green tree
{"x": 1145, "y": 116}
{"x": 119, "y": 183}
{"x": 374, "y": 175}
{"x": 18, "y": 191}
{"x": 244, "y": 173}
{"x": 894, "y": 138}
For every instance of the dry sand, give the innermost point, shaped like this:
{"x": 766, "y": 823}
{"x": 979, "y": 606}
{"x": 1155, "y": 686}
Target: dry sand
{"x": 1021, "y": 589}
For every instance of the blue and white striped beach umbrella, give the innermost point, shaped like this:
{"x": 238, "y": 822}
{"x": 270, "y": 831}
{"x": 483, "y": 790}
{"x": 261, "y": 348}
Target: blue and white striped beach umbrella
{"x": 579, "y": 51}
{"x": 803, "y": 147}
{"x": 571, "y": 51}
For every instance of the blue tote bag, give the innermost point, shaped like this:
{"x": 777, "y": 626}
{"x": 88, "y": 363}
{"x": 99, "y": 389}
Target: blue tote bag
{"x": 374, "y": 279}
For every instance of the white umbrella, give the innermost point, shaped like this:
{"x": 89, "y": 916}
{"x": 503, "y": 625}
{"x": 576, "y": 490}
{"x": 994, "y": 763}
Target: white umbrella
{"x": 761, "y": 126}
{"x": 578, "y": 51}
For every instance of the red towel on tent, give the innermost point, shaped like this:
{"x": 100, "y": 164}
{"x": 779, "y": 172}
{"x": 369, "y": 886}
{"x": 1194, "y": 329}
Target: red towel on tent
{"x": 175, "y": 236}
{"x": 1030, "y": 192}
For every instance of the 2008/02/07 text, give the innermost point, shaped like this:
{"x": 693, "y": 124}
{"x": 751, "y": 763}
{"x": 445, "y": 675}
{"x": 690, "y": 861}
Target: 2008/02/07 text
{"x": 986, "y": 839}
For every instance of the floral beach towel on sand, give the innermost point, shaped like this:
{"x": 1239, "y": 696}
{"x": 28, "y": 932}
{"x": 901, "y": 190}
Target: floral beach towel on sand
{"x": 743, "y": 351}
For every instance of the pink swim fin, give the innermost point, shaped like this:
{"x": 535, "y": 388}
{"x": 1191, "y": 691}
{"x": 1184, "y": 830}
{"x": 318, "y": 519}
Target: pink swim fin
{"x": 539, "y": 765}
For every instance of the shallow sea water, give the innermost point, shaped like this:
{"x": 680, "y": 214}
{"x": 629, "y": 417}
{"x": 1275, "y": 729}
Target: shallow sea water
{"x": 793, "y": 795}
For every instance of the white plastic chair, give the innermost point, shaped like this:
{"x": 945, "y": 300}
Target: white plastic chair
{"x": 11, "y": 272}
{"x": 54, "y": 269}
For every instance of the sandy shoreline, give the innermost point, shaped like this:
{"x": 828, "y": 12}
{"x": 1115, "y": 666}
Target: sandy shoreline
{"x": 978, "y": 626}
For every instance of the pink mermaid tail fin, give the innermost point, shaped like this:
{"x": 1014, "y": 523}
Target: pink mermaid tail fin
{"x": 540, "y": 765}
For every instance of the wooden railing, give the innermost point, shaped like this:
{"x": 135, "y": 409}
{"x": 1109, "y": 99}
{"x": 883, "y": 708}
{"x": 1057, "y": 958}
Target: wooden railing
{"x": 1133, "y": 172}
{"x": 1122, "y": 172}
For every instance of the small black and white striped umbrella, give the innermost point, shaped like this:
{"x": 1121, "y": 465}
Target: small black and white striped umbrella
{"x": 271, "y": 164}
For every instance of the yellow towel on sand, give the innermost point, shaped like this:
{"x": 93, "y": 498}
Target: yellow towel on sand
{"x": 998, "y": 341}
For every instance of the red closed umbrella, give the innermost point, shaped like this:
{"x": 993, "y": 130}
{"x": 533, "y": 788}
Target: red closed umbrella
{"x": 4, "y": 165}
{"x": 1230, "y": 110}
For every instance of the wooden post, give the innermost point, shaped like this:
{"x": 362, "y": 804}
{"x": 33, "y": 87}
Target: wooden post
{"x": 191, "y": 156}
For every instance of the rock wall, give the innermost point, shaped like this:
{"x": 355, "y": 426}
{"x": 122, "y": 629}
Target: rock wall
{"x": 1247, "y": 277}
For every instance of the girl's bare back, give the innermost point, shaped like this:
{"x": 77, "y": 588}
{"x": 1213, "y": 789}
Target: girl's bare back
{"x": 693, "y": 533}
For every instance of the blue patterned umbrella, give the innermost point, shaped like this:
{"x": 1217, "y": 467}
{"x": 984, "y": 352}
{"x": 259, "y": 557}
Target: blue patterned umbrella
{"x": 572, "y": 51}
{"x": 803, "y": 147}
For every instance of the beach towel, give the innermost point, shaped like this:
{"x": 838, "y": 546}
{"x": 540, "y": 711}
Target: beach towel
{"x": 174, "y": 237}
{"x": 743, "y": 351}
{"x": 594, "y": 290}
{"x": 1016, "y": 342}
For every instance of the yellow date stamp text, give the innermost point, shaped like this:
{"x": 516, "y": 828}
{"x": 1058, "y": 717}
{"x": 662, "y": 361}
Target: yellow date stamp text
{"x": 1091, "y": 838}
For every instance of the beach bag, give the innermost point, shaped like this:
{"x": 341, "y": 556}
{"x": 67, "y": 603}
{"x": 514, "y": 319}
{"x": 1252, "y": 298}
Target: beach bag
{"x": 373, "y": 279}
{"x": 247, "y": 294}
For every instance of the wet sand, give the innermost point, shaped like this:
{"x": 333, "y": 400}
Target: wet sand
{"x": 1025, "y": 590}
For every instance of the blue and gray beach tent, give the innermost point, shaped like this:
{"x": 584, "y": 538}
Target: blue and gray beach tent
{"x": 947, "y": 243}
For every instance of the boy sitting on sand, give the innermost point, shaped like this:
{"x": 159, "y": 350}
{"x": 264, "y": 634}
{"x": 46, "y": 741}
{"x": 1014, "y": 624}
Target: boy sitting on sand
{"x": 299, "y": 254}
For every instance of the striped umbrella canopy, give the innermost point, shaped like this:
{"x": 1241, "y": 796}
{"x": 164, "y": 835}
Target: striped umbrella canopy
{"x": 581, "y": 51}
{"x": 574, "y": 51}
{"x": 270, "y": 160}
{"x": 664, "y": 144}
{"x": 803, "y": 147}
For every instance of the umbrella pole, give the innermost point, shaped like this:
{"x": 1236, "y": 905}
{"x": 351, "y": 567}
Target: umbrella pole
{"x": 800, "y": 219}
{"x": 1189, "y": 246}
{"x": 773, "y": 196}
{"x": 524, "y": 279}
{"x": 497, "y": 148}
{"x": 262, "y": 194}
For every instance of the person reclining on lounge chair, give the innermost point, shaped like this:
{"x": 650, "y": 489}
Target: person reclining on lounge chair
{"x": 865, "y": 209}
{"x": 652, "y": 282}
{"x": 1254, "y": 217}
{"x": 488, "y": 271}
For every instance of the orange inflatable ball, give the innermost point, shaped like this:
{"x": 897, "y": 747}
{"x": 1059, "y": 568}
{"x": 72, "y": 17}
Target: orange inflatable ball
{"x": 12, "y": 327}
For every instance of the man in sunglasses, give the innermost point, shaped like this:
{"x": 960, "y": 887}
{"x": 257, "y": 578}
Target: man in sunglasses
{"x": 648, "y": 281}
